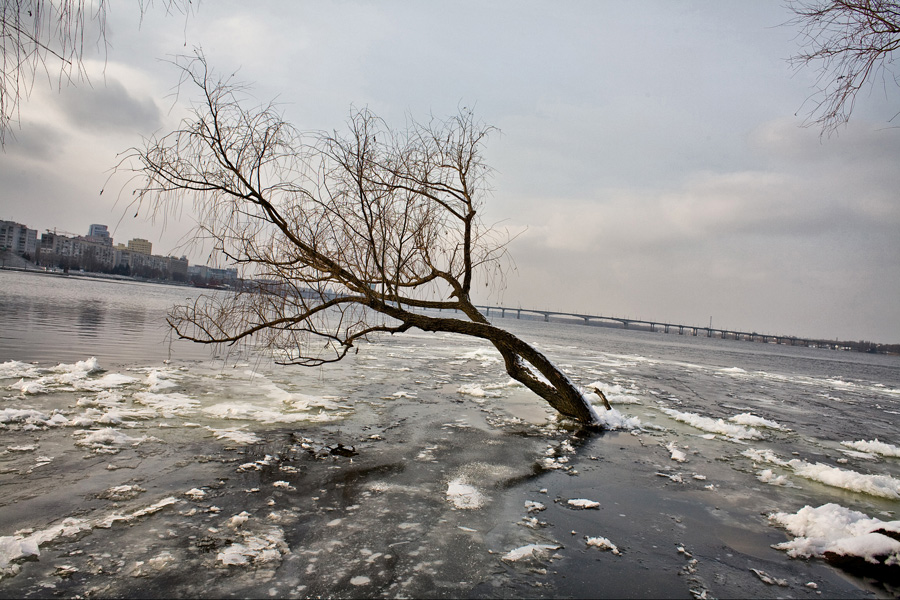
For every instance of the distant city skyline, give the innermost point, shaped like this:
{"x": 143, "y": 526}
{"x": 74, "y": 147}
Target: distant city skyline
{"x": 142, "y": 246}
{"x": 100, "y": 231}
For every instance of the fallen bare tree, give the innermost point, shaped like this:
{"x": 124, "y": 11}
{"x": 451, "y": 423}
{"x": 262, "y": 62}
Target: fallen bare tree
{"x": 347, "y": 235}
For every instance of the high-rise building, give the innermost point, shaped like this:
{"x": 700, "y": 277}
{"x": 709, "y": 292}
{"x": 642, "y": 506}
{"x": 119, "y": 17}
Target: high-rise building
{"x": 18, "y": 238}
{"x": 100, "y": 234}
{"x": 141, "y": 246}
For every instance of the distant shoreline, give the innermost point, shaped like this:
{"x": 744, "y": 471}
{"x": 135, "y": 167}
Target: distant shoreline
{"x": 95, "y": 276}
{"x": 845, "y": 346}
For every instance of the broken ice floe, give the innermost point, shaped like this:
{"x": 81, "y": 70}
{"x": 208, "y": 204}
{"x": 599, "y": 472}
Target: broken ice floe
{"x": 530, "y": 551}
{"x": 119, "y": 493}
{"x": 486, "y": 356}
{"x": 675, "y": 477}
{"x": 719, "y": 426}
{"x": 247, "y": 411}
{"x": 39, "y": 380}
{"x": 615, "y": 393}
{"x": 768, "y": 579}
{"x": 768, "y": 476}
{"x": 532, "y": 523}
{"x": 676, "y": 454}
{"x": 159, "y": 379}
{"x": 167, "y": 405}
{"x": 30, "y": 418}
{"x": 463, "y": 495}
{"x": 476, "y": 391}
{"x": 613, "y": 419}
{"x": 875, "y": 485}
{"x": 254, "y": 548}
{"x": 28, "y": 448}
{"x": 235, "y": 435}
{"x": 874, "y": 447}
{"x": 752, "y": 420}
{"x": 583, "y": 503}
{"x": 239, "y": 519}
{"x": 602, "y": 543}
{"x": 764, "y": 455}
{"x": 832, "y": 531}
{"x": 27, "y": 543}
{"x": 109, "y": 440}
{"x": 884, "y": 486}
{"x": 258, "y": 465}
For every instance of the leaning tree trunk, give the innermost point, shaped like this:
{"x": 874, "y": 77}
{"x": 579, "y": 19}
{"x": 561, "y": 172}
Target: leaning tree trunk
{"x": 524, "y": 363}
{"x": 527, "y": 365}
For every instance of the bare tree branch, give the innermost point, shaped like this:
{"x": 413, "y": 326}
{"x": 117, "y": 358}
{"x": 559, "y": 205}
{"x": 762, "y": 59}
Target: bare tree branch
{"x": 850, "y": 42}
{"x": 48, "y": 37}
{"x": 346, "y": 234}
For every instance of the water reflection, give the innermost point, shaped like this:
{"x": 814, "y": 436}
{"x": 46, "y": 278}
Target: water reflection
{"x": 90, "y": 318}
{"x": 133, "y": 317}
{"x": 49, "y": 318}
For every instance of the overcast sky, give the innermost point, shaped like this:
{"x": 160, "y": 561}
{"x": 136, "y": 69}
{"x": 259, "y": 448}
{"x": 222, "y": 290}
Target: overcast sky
{"x": 652, "y": 153}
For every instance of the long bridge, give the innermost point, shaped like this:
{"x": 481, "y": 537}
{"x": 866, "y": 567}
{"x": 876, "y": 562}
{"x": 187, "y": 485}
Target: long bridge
{"x": 657, "y": 326}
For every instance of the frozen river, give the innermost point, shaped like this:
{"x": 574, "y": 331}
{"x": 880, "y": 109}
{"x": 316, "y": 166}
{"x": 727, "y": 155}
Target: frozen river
{"x": 133, "y": 465}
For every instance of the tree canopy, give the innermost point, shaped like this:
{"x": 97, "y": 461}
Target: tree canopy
{"x": 345, "y": 234}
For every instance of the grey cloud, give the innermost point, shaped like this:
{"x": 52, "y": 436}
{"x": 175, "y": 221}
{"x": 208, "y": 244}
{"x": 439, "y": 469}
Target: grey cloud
{"x": 109, "y": 106}
{"x": 33, "y": 141}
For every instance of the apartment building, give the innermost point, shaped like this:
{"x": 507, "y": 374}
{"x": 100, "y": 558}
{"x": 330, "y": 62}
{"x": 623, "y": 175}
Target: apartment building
{"x": 18, "y": 238}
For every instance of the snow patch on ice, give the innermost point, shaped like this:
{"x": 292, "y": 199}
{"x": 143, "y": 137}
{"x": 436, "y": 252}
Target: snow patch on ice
{"x": 884, "y": 486}
{"x": 615, "y": 393}
{"x": 611, "y": 419}
{"x": 246, "y": 411}
{"x": 486, "y": 356}
{"x": 834, "y": 528}
{"x": 104, "y": 440}
{"x": 874, "y": 447}
{"x": 27, "y": 543}
{"x": 764, "y": 455}
{"x": 713, "y": 425}
{"x": 235, "y": 435}
{"x": 463, "y": 495}
{"x": 168, "y": 405}
{"x": 602, "y": 543}
{"x": 530, "y": 551}
{"x": 752, "y": 420}
{"x": 476, "y": 391}
{"x": 769, "y": 476}
{"x": 254, "y": 549}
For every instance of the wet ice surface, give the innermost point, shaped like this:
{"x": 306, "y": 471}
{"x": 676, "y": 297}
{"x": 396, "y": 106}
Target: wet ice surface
{"x": 417, "y": 469}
